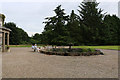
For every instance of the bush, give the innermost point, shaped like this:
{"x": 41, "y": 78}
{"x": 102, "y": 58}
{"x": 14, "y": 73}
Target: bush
{"x": 73, "y": 52}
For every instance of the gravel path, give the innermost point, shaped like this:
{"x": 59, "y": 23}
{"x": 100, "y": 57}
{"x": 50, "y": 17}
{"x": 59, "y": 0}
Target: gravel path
{"x": 0, "y": 65}
{"x": 23, "y": 63}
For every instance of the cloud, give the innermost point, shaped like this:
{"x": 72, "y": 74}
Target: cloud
{"x": 30, "y": 15}
{"x": 109, "y": 7}
{"x": 32, "y": 33}
{"x": 54, "y": 0}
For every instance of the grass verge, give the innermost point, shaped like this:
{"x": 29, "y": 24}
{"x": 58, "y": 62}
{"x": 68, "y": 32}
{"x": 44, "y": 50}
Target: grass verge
{"x": 93, "y": 47}
{"x": 99, "y": 47}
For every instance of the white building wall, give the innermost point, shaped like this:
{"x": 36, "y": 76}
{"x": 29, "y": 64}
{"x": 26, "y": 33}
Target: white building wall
{"x": 119, "y": 9}
{"x": 0, "y": 21}
{"x": 0, "y": 34}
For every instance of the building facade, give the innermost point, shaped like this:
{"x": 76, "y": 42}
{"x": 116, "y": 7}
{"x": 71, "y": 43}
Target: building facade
{"x": 119, "y": 9}
{"x": 0, "y": 32}
{"x": 3, "y": 33}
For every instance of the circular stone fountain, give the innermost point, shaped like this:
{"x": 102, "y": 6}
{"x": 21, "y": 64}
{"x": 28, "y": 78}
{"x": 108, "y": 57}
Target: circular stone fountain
{"x": 72, "y": 51}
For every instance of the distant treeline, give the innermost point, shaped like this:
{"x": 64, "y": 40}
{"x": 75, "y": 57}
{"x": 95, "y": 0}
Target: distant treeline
{"x": 17, "y": 35}
{"x": 89, "y": 27}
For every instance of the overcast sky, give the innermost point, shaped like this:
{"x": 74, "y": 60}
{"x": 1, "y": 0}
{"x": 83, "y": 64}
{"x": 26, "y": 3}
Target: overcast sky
{"x": 29, "y": 14}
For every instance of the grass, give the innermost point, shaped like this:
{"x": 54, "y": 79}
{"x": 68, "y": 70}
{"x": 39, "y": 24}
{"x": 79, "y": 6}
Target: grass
{"x": 93, "y": 47}
{"x": 99, "y": 47}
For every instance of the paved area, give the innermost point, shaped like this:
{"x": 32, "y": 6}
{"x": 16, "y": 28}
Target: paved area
{"x": 23, "y": 63}
{"x": 0, "y": 65}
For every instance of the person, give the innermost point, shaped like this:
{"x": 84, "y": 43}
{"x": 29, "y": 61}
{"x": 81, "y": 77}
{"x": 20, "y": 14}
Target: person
{"x": 35, "y": 47}
{"x": 44, "y": 47}
{"x": 38, "y": 49}
{"x": 8, "y": 49}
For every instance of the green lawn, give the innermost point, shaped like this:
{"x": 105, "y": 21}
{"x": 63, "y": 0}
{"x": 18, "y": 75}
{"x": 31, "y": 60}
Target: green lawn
{"x": 94, "y": 47}
{"x": 99, "y": 47}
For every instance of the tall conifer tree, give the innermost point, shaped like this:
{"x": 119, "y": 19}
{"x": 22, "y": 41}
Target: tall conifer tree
{"x": 91, "y": 17}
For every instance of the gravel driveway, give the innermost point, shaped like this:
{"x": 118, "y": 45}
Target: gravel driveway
{"x": 24, "y": 63}
{"x": 0, "y": 65}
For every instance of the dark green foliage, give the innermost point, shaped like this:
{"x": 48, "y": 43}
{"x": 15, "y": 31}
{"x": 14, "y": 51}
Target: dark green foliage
{"x": 36, "y": 39}
{"x": 55, "y": 31}
{"x": 17, "y": 35}
{"x": 112, "y": 30}
{"x": 91, "y": 18}
{"x": 90, "y": 27}
{"x": 73, "y": 52}
{"x": 74, "y": 28}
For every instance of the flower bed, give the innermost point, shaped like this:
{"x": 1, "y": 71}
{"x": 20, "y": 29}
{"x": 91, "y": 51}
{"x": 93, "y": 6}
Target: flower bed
{"x": 72, "y": 52}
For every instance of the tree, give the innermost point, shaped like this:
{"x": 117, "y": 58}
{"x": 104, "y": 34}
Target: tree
{"x": 111, "y": 30}
{"x": 55, "y": 29}
{"x": 90, "y": 27}
{"x": 36, "y": 38}
{"x": 91, "y": 17}
{"x": 17, "y": 35}
{"x": 73, "y": 27}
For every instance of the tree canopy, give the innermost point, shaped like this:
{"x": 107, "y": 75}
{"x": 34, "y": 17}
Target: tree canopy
{"x": 17, "y": 35}
{"x": 90, "y": 27}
